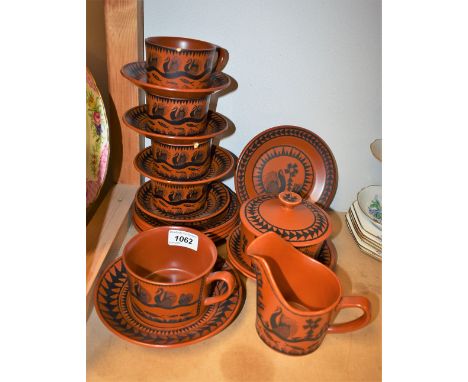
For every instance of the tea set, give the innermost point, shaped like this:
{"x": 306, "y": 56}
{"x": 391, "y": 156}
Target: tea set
{"x": 170, "y": 288}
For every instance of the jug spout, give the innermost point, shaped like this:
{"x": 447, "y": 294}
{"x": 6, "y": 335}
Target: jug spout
{"x": 282, "y": 270}
{"x": 297, "y": 297}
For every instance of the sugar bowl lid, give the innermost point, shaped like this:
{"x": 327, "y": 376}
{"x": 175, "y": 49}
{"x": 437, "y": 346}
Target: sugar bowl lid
{"x": 297, "y": 220}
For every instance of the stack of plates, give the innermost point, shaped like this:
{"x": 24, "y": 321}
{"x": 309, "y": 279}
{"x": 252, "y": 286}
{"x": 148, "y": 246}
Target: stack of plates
{"x": 217, "y": 227}
{"x": 364, "y": 221}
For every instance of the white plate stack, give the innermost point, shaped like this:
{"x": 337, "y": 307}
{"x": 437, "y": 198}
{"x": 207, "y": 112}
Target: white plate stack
{"x": 364, "y": 221}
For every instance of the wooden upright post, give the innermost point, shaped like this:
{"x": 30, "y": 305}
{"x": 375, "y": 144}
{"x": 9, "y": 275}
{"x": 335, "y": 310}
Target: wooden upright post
{"x": 124, "y": 44}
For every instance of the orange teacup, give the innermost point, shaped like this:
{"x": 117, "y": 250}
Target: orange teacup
{"x": 170, "y": 271}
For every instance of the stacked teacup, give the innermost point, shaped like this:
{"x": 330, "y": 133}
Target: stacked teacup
{"x": 184, "y": 168}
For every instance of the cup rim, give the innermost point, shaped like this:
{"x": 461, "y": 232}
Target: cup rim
{"x": 201, "y": 99}
{"x": 141, "y": 235}
{"x": 153, "y": 41}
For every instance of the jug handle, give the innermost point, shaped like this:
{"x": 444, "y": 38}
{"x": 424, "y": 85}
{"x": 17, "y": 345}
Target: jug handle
{"x": 225, "y": 276}
{"x": 352, "y": 302}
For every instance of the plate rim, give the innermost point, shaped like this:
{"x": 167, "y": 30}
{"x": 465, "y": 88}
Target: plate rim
{"x": 202, "y": 180}
{"x": 175, "y": 220}
{"x": 328, "y": 199}
{"x": 171, "y": 92}
{"x": 234, "y": 314}
{"x": 371, "y": 218}
{"x": 173, "y": 139}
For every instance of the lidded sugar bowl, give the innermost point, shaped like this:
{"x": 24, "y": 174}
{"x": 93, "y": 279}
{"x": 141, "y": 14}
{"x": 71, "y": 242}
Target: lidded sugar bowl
{"x": 299, "y": 221}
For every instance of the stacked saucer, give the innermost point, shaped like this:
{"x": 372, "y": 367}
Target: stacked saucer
{"x": 364, "y": 221}
{"x": 167, "y": 292}
{"x": 183, "y": 166}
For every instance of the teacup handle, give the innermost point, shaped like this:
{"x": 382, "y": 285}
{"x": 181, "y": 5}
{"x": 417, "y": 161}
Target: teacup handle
{"x": 225, "y": 276}
{"x": 352, "y": 302}
{"x": 223, "y": 57}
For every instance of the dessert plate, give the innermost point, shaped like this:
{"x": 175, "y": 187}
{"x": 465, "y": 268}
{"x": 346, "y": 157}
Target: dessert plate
{"x": 287, "y": 158}
{"x": 97, "y": 140}
{"x": 376, "y": 245}
{"x": 138, "y": 120}
{"x": 327, "y": 255}
{"x": 364, "y": 247}
{"x": 217, "y": 201}
{"x": 215, "y": 228}
{"x": 221, "y": 165}
{"x": 136, "y": 73}
{"x": 115, "y": 311}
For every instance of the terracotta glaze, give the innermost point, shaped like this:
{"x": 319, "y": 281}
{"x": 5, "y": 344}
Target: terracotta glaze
{"x": 235, "y": 248}
{"x": 181, "y": 161}
{"x": 217, "y": 201}
{"x": 216, "y": 228}
{"x": 301, "y": 222}
{"x": 136, "y": 73}
{"x": 298, "y": 298}
{"x": 222, "y": 163}
{"x": 177, "y": 116}
{"x": 138, "y": 120}
{"x": 112, "y": 304}
{"x": 183, "y": 196}
{"x": 179, "y": 62}
{"x": 179, "y": 199}
{"x": 287, "y": 158}
{"x": 170, "y": 284}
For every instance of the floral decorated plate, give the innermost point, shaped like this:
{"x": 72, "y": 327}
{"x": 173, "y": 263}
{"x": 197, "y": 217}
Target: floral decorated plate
{"x": 370, "y": 202}
{"x": 287, "y": 158}
{"x": 365, "y": 223}
{"x": 97, "y": 140}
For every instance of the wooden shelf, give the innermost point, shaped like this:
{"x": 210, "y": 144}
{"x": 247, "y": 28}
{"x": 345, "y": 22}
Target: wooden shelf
{"x": 105, "y": 233}
{"x": 238, "y": 354}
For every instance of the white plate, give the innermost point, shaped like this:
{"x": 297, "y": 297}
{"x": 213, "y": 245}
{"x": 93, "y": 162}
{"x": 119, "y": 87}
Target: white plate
{"x": 372, "y": 241}
{"x": 367, "y": 249}
{"x": 365, "y": 223}
{"x": 370, "y": 202}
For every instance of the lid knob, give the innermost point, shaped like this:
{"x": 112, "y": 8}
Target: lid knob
{"x": 289, "y": 199}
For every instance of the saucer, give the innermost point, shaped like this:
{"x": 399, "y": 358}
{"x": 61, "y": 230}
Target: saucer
{"x": 138, "y": 120}
{"x": 376, "y": 244}
{"x": 327, "y": 255}
{"x": 115, "y": 311}
{"x": 221, "y": 164}
{"x": 217, "y": 201}
{"x": 287, "y": 158}
{"x": 135, "y": 72}
{"x": 216, "y": 228}
{"x": 363, "y": 246}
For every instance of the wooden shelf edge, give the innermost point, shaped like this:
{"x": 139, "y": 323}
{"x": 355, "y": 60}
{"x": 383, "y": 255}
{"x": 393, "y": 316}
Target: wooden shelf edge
{"x": 105, "y": 233}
